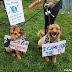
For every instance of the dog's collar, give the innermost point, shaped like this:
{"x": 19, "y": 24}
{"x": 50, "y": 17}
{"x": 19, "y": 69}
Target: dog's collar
{"x": 47, "y": 40}
{"x": 24, "y": 36}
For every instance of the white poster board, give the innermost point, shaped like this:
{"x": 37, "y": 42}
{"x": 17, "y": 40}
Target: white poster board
{"x": 20, "y": 45}
{"x": 14, "y": 11}
{"x": 53, "y": 48}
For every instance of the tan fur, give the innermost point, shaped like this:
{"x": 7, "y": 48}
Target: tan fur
{"x": 15, "y": 33}
{"x": 15, "y": 30}
{"x": 52, "y": 28}
{"x": 39, "y": 33}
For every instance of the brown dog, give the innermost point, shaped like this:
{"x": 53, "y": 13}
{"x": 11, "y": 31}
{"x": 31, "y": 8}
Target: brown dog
{"x": 15, "y": 33}
{"x": 53, "y": 34}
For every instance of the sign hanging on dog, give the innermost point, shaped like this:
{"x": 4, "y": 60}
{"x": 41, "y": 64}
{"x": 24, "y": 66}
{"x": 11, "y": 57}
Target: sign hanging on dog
{"x": 14, "y": 11}
{"x": 20, "y": 45}
{"x": 53, "y": 48}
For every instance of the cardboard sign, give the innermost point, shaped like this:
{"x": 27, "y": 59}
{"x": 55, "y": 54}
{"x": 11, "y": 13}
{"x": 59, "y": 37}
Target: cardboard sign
{"x": 53, "y": 48}
{"x": 14, "y": 11}
{"x": 19, "y": 44}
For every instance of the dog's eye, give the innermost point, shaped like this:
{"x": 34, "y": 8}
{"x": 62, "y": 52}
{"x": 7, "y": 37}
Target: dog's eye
{"x": 19, "y": 32}
{"x": 51, "y": 28}
{"x": 15, "y": 33}
{"x": 57, "y": 28}
{"x": 11, "y": 33}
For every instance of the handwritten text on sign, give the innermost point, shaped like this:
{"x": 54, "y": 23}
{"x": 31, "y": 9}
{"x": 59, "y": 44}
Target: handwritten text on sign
{"x": 19, "y": 44}
{"x": 53, "y": 48}
{"x": 14, "y": 11}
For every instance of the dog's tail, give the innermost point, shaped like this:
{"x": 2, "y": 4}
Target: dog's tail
{"x": 41, "y": 32}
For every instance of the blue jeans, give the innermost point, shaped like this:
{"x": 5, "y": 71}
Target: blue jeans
{"x": 64, "y": 5}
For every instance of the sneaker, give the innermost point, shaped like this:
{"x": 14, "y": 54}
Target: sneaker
{"x": 1, "y": 5}
{"x": 68, "y": 12}
{"x": 62, "y": 13}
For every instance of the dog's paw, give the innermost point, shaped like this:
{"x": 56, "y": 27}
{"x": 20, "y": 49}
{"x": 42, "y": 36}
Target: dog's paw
{"x": 13, "y": 54}
{"x": 54, "y": 59}
{"x": 19, "y": 57}
{"x": 47, "y": 58}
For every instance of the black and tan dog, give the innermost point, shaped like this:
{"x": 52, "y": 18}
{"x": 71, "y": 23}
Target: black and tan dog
{"x": 15, "y": 32}
{"x": 53, "y": 34}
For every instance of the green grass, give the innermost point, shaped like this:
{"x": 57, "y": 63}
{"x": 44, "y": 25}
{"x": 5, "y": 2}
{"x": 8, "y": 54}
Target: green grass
{"x": 32, "y": 61}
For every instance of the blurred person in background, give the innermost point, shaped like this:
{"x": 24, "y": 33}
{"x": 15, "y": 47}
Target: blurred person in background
{"x": 64, "y": 5}
{"x": 54, "y": 6}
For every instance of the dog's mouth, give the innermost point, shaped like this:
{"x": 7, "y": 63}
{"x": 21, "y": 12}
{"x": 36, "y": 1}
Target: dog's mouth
{"x": 14, "y": 38}
{"x": 54, "y": 35}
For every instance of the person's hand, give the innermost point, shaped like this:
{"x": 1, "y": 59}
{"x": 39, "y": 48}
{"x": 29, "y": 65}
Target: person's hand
{"x": 46, "y": 5}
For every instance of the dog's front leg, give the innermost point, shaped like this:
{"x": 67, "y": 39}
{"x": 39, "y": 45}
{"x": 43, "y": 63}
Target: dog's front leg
{"x": 18, "y": 55}
{"x": 40, "y": 49}
{"x": 10, "y": 51}
{"x": 47, "y": 58}
{"x": 54, "y": 58}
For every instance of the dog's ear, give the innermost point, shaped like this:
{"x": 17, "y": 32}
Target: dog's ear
{"x": 21, "y": 30}
{"x": 60, "y": 28}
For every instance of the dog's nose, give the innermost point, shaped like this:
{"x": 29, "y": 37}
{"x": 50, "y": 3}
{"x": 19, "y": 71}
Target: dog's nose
{"x": 12, "y": 39}
{"x": 54, "y": 33}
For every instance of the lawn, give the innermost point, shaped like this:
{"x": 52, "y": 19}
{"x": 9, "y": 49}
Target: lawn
{"x": 33, "y": 61}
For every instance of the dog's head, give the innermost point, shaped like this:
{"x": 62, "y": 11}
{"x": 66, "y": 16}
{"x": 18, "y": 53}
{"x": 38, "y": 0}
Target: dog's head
{"x": 54, "y": 31}
{"x": 15, "y": 32}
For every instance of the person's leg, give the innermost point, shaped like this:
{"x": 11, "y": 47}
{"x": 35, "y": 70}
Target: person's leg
{"x": 70, "y": 6}
{"x": 46, "y": 21}
{"x": 64, "y": 5}
{"x": 52, "y": 19}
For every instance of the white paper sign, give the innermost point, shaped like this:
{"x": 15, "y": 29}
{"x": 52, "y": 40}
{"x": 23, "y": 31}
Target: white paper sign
{"x": 14, "y": 11}
{"x": 53, "y": 48}
{"x": 5, "y": 38}
{"x": 19, "y": 44}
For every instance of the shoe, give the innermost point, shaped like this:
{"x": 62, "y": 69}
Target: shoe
{"x": 62, "y": 13}
{"x": 1, "y": 5}
{"x": 68, "y": 12}
{"x": 2, "y": 22}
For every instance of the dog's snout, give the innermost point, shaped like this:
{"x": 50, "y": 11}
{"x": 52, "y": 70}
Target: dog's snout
{"x": 12, "y": 39}
{"x": 54, "y": 33}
